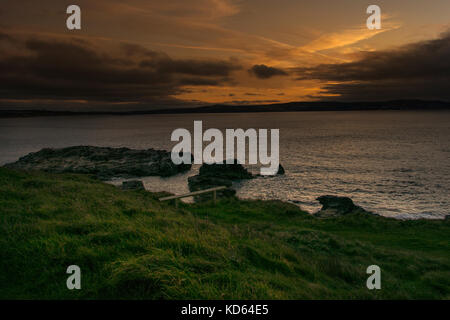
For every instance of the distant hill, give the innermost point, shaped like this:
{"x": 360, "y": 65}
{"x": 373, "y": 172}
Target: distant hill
{"x": 277, "y": 107}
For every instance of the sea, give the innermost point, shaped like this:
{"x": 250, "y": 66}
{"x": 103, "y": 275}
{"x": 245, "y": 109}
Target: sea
{"x": 393, "y": 163}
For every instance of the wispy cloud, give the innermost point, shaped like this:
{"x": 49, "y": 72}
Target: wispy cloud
{"x": 418, "y": 70}
{"x": 347, "y": 37}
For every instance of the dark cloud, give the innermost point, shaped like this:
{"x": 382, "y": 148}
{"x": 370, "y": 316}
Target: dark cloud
{"x": 191, "y": 67}
{"x": 74, "y": 69}
{"x": 5, "y": 37}
{"x": 419, "y": 70}
{"x": 265, "y": 72}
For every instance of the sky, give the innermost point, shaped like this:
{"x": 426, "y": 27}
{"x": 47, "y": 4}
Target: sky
{"x": 152, "y": 54}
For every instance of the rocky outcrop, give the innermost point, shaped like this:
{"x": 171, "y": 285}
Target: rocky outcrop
{"x": 279, "y": 172}
{"x": 337, "y": 206}
{"x": 133, "y": 185}
{"x": 216, "y": 175}
{"x": 233, "y": 171}
{"x": 105, "y": 163}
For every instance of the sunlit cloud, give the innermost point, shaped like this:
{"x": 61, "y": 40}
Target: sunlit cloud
{"x": 346, "y": 37}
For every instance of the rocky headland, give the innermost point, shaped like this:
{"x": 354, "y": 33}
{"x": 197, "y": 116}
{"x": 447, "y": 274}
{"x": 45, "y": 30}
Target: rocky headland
{"x": 103, "y": 162}
{"x": 216, "y": 175}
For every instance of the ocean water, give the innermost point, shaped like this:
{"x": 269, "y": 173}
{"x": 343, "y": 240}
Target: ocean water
{"x": 394, "y": 163}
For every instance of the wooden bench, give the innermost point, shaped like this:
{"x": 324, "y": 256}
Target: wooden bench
{"x": 195, "y": 193}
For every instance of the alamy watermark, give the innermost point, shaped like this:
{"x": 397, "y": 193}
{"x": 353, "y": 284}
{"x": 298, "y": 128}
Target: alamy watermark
{"x": 374, "y": 281}
{"x": 74, "y": 280}
{"x": 73, "y": 22}
{"x": 235, "y": 139}
{"x": 374, "y": 20}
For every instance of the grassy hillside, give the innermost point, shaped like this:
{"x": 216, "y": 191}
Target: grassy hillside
{"x": 129, "y": 245}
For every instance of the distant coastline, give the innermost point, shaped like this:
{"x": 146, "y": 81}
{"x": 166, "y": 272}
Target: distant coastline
{"x": 423, "y": 105}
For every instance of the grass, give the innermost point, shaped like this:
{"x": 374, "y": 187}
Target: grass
{"x": 130, "y": 246}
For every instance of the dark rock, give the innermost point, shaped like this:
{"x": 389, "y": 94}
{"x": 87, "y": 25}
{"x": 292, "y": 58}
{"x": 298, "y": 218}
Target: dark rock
{"x": 133, "y": 185}
{"x": 216, "y": 175}
{"x": 197, "y": 183}
{"x": 337, "y": 206}
{"x": 103, "y": 162}
{"x": 341, "y": 204}
{"x": 204, "y": 182}
{"x": 447, "y": 217}
{"x": 279, "y": 172}
{"x": 234, "y": 171}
